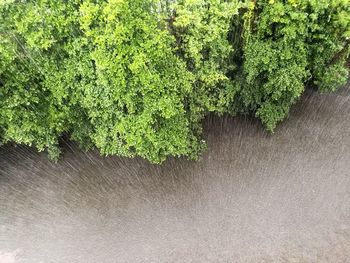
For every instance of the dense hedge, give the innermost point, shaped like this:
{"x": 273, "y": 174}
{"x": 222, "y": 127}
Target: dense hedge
{"x": 136, "y": 77}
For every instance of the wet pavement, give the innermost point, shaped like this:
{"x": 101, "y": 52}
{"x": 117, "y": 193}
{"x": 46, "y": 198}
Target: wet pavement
{"x": 252, "y": 197}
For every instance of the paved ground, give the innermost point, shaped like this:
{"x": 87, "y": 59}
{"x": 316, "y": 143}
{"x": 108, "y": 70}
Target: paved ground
{"x": 253, "y": 197}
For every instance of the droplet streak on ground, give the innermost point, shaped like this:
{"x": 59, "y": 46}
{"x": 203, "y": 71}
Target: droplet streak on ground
{"x": 253, "y": 197}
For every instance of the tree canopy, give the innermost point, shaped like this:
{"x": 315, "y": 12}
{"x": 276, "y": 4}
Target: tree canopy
{"x": 136, "y": 77}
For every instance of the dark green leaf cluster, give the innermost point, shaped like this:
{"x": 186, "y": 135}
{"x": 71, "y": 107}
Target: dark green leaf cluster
{"x": 288, "y": 44}
{"x": 136, "y": 77}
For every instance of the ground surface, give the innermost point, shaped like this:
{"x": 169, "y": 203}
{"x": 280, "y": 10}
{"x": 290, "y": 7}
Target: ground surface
{"x": 253, "y": 197}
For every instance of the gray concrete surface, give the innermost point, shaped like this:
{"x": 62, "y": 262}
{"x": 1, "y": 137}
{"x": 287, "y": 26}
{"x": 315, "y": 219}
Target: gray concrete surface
{"x": 253, "y": 197}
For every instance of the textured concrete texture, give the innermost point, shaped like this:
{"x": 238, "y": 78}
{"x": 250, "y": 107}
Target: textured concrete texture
{"x": 252, "y": 197}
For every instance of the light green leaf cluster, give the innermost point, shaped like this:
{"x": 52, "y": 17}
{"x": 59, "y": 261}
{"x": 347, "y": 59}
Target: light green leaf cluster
{"x": 201, "y": 28}
{"x": 103, "y": 72}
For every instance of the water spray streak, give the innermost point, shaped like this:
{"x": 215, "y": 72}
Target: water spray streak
{"x": 253, "y": 197}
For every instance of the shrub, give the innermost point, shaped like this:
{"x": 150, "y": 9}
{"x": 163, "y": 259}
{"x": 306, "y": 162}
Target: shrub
{"x": 136, "y": 77}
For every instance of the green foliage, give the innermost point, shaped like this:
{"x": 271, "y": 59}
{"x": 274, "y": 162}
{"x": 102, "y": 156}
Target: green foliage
{"x": 287, "y": 43}
{"x": 201, "y": 29}
{"x": 136, "y": 77}
{"x": 275, "y": 59}
{"x": 328, "y": 40}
